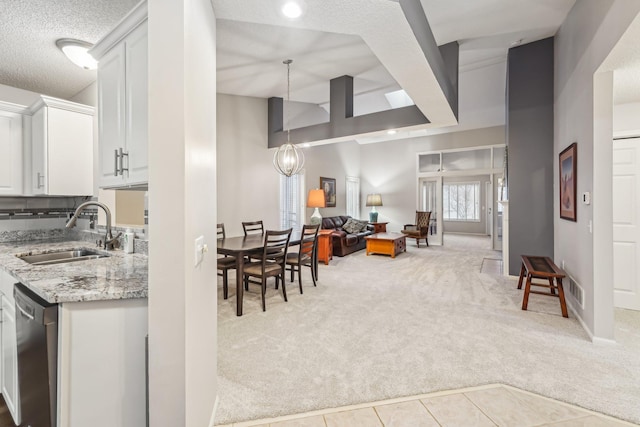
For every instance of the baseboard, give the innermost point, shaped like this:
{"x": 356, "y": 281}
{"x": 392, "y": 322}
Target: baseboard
{"x": 215, "y": 409}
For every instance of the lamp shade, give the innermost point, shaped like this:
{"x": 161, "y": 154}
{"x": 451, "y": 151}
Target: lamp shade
{"x": 316, "y": 199}
{"x": 374, "y": 200}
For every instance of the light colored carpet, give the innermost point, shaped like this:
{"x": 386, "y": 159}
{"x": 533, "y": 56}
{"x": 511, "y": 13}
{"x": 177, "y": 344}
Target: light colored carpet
{"x": 428, "y": 320}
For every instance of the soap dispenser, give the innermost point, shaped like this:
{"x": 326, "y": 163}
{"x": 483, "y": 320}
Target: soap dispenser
{"x": 128, "y": 241}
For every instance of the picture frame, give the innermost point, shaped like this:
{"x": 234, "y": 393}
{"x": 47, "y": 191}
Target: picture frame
{"x": 568, "y": 164}
{"x": 329, "y": 187}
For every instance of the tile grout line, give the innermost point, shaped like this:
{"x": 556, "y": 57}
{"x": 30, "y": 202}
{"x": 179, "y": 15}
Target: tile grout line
{"x": 495, "y": 423}
{"x": 430, "y": 413}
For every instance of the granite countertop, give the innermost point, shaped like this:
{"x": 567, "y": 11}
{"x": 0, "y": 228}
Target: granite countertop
{"x": 119, "y": 276}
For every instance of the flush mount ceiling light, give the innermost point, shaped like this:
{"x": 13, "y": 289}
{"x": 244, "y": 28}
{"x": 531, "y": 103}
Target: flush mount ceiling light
{"x": 289, "y": 159}
{"x": 77, "y": 52}
{"x": 292, "y": 10}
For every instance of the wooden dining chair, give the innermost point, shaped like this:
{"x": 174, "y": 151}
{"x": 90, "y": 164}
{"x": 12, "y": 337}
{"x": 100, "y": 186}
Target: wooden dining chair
{"x": 253, "y": 227}
{"x": 225, "y": 263}
{"x": 305, "y": 255}
{"x": 271, "y": 264}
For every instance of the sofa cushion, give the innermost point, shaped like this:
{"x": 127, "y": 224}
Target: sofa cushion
{"x": 351, "y": 239}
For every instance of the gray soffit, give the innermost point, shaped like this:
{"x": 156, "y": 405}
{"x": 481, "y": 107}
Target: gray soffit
{"x": 342, "y": 124}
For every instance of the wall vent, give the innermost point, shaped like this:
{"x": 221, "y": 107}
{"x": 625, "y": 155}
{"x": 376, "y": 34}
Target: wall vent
{"x": 576, "y": 291}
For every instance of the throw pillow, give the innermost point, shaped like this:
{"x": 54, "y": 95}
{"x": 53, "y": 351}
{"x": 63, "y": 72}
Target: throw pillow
{"x": 354, "y": 226}
{"x": 362, "y": 224}
{"x": 351, "y": 226}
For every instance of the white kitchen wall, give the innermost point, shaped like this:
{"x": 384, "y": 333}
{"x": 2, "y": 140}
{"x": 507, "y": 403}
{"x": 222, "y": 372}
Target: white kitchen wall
{"x": 584, "y": 40}
{"x": 17, "y": 96}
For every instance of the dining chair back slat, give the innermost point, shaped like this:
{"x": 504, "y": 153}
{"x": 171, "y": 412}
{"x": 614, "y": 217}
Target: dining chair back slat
{"x": 305, "y": 255}
{"x": 272, "y": 263}
{"x": 225, "y": 263}
{"x": 253, "y": 227}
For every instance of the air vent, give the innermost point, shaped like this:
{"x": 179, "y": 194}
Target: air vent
{"x": 576, "y": 291}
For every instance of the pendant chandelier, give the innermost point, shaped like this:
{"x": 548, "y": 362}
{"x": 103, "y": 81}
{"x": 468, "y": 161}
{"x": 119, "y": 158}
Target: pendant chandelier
{"x": 288, "y": 159}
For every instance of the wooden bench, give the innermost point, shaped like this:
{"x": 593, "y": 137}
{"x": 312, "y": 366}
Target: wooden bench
{"x": 539, "y": 267}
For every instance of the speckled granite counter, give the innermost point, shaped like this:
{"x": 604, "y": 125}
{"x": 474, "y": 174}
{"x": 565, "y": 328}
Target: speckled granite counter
{"x": 119, "y": 276}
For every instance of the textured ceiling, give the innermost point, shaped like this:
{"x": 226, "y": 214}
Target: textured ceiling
{"x": 250, "y": 54}
{"x": 29, "y": 58}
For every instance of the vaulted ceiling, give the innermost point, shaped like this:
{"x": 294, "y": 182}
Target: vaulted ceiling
{"x": 253, "y": 39}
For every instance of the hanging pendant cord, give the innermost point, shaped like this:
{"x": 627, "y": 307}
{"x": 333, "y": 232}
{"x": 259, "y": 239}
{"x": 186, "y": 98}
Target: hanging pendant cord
{"x": 288, "y": 62}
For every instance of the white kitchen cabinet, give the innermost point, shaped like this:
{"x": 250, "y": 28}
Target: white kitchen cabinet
{"x": 62, "y": 148}
{"x": 9, "y": 360}
{"x": 122, "y": 103}
{"x": 11, "y": 150}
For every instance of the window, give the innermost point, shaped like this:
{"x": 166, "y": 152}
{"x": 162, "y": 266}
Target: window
{"x": 291, "y": 201}
{"x": 461, "y": 201}
{"x": 353, "y": 196}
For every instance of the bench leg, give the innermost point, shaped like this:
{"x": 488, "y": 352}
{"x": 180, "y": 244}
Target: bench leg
{"x": 563, "y": 303}
{"x": 521, "y": 276}
{"x": 527, "y": 288}
{"x": 552, "y": 287}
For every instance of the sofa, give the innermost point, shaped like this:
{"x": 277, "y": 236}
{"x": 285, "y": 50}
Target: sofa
{"x": 346, "y": 241}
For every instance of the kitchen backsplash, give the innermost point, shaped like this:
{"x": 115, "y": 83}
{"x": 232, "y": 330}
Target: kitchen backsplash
{"x": 19, "y": 223}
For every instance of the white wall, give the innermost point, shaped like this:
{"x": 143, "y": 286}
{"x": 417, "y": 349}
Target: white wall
{"x": 389, "y": 168}
{"x": 17, "y": 96}
{"x": 626, "y": 118}
{"x": 248, "y": 186}
{"x": 182, "y": 193}
{"x": 584, "y": 40}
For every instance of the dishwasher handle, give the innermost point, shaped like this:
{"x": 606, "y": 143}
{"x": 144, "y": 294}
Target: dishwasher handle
{"x": 23, "y": 311}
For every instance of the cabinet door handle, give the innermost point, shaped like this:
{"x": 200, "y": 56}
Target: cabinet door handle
{"x": 115, "y": 162}
{"x": 122, "y": 168}
{"x": 38, "y": 185}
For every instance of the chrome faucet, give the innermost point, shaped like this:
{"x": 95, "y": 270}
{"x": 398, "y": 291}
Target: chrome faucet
{"x": 110, "y": 242}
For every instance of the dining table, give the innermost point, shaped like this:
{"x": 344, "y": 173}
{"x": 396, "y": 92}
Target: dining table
{"x": 243, "y": 246}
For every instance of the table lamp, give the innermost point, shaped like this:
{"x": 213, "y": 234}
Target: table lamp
{"x": 316, "y": 199}
{"x": 373, "y": 200}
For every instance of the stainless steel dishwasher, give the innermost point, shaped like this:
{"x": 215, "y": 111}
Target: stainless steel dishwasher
{"x": 37, "y": 333}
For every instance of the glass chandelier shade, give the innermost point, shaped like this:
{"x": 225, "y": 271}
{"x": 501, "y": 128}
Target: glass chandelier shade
{"x": 288, "y": 159}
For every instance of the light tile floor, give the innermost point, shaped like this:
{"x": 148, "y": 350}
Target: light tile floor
{"x": 492, "y": 405}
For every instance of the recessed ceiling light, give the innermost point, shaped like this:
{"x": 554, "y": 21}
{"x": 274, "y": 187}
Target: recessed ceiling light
{"x": 292, "y": 9}
{"x": 391, "y": 132}
{"x": 77, "y": 52}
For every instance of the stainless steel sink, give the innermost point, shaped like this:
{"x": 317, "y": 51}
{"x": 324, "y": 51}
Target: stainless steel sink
{"x": 62, "y": 256}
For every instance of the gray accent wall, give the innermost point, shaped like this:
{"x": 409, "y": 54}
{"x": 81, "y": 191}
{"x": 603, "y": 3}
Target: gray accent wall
{"x": 531, "y": 155}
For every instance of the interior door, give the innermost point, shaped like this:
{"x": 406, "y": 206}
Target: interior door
{"x": 626, "y": 219}
{"x": 430, "y": 199}
{"x": 489, "y": 207}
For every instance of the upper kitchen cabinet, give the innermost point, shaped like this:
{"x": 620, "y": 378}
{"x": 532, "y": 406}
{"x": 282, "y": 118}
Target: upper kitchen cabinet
{"x": 122, "y": 102}
{"x": 11, "y": 149}
{"x": 61, "y": 148}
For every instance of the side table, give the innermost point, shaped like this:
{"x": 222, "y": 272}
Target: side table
{"x": 379, "y": 227}
{"x": 325, "y": 246}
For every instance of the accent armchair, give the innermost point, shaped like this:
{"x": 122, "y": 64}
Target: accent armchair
{"x": 419, "y": 230}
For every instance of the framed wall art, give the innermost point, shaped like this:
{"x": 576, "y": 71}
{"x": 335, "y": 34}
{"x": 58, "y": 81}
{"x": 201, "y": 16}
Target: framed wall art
{"x": 329, "y": 187}
{"x": 568, "y": 182}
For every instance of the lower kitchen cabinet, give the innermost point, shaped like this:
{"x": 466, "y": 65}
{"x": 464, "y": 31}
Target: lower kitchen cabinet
{"x": 101, "y": 359}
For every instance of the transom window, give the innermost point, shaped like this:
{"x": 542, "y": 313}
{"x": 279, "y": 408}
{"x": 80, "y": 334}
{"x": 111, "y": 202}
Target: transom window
{"x": 461, "y": 201}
